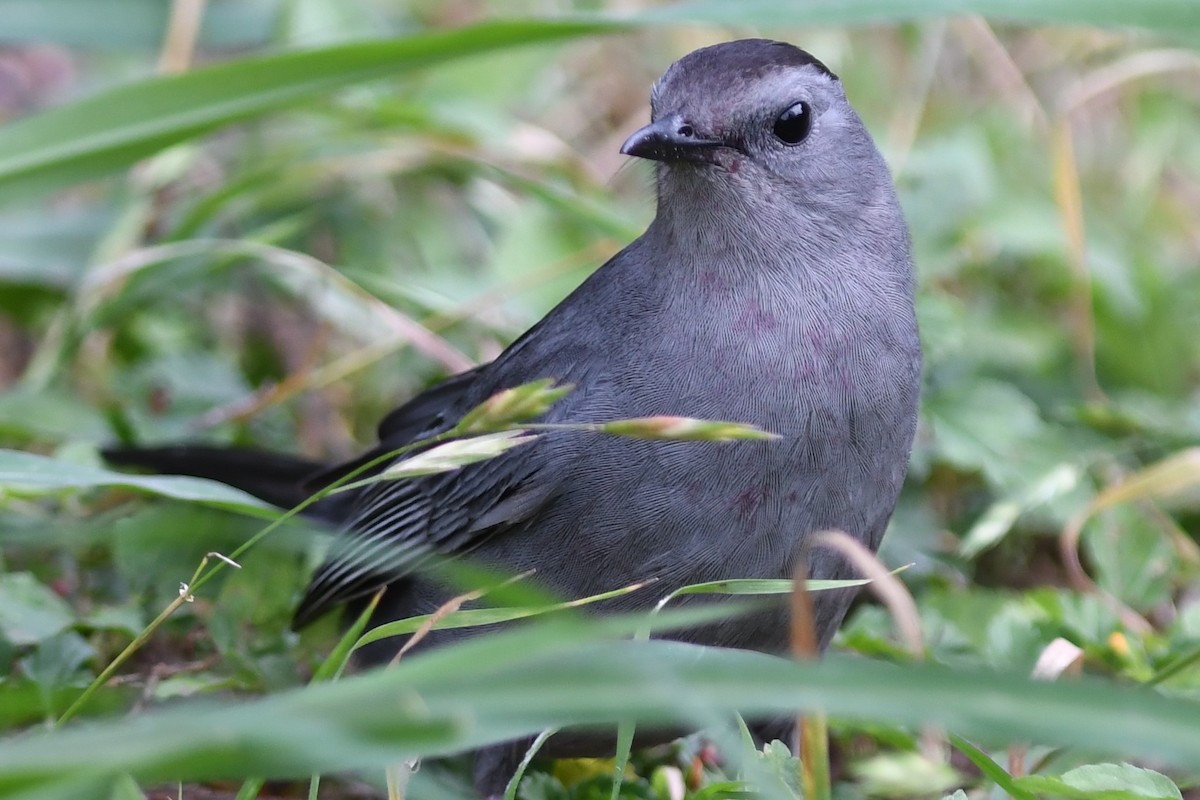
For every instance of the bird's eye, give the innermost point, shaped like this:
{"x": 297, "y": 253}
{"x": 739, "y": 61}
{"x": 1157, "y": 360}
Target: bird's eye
{"x": 793, "y": 125}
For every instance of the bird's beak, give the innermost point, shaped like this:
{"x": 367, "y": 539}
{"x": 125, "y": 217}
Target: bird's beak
{"x": 670, "y": 139}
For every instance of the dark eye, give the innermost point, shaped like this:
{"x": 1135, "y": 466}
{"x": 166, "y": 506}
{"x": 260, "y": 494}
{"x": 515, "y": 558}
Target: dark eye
{"x": 793, "y": 125}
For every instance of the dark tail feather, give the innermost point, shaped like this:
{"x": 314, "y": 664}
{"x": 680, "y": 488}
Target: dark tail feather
{"x": 273, "y": 477}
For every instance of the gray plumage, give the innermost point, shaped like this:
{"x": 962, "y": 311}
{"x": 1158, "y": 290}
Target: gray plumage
{"x": 774, "y": 287}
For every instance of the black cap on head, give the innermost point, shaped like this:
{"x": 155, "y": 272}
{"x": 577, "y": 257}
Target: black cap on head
{"x": 749, "y": 58}
{"x": 742, "y": 61}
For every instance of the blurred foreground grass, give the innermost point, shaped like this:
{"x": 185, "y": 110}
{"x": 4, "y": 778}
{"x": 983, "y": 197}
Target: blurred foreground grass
{"x": 408, "y": 191}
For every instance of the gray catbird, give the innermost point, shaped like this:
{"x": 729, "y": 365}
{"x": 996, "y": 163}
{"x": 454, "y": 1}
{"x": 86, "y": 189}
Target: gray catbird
{"x": 773, "y": 287}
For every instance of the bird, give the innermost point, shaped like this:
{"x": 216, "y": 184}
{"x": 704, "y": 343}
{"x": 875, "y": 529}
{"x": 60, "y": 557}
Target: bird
{"x": 774, "y": 287}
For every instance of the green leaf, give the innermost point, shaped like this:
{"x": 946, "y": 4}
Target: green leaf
{"x": 32, "y": 475}
{"x": 985, "y": 425}
{"x": 333, "y": 664}
{"x": 476, "y": 617}
{"x": 126, "y": 788}
{"x": 725, "y": 790}
{"x": 1105, "y": 782}
{"x": 518, "y": 776}
{"x": 542, "y": 786}
{"x": 48, "y": 415}
{"x": 57, "y": 662}
{"x": 984, "y": 763}
{"x": 127, "y": 620}
{"x": 29, "y": 611}
{"x": 1165, "y": 15}
{"x": 782, "y": 768}
{"x": 506, "y": 686}
{"x": 998, "y": 520}
{"x": 24, "y": 702}
{"x": 904, "y": 775}
{"x": 768, "y": 585}
{"x": 123, "y": 24}
{"x": 115, "y": 128}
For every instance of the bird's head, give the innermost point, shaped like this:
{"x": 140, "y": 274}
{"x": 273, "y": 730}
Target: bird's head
{"x": 757, "y": 123}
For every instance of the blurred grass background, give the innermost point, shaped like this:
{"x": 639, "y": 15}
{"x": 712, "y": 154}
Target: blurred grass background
{"x": 286, "y": 280}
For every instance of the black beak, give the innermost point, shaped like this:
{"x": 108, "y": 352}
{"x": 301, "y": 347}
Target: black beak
{"x": 670, "y": 139}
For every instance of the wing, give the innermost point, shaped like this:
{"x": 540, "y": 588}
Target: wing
{"x": 427, "y": 411}
{"x": 394, "y": 525}
{"x": 398, "y": 524}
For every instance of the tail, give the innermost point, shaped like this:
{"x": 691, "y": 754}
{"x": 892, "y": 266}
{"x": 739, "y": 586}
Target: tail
{"x": 278, "y": 479}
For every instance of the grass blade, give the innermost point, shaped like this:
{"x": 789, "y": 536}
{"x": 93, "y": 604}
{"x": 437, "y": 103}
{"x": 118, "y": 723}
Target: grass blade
{"x": 113, "y": 129}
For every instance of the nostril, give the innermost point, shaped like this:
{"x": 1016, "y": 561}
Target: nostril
{"x": 686, "y": 130}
